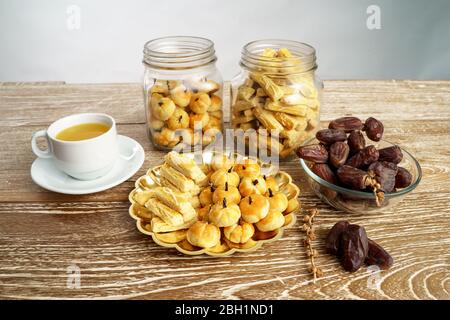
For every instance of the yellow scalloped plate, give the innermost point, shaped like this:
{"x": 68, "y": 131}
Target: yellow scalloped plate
{"x": 151, "y": 179}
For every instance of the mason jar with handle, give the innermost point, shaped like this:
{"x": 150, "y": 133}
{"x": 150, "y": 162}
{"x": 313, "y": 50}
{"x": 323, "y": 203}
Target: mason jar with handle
{"x": 276, "y": 97}
{"x": 182, "y": 92}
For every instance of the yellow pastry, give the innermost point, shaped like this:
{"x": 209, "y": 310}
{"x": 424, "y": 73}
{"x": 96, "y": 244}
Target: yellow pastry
{"x": 172, "y": 237}
{"x": 202, "y": 213}
{"x": 194, "y": 201}
{"x": 142, "y": 196}
{"x": 159, "y": 139}
{"x": 141, "y": 212}
{"x": 229, "y": 193}
{"x": 205, "y": 196}
{"x": 186, "y": 166}
{"x": 200, "y": 103}
{"x": 267, "y": 119}
{"x": 198, "y": 121}
{"x": 278, "y": 201}
{"x": 175, "y": 200}
{"x": 178, "y": 120}
{"x": 159, "y": 225}
{"x": 156, "y": 124}
{"x": 189, "y": 137}
{"x": 248, "y": 168}
{"x": 224, "y": 214}
{"x": 272, "y": 221}
{"x": 210, "y": 135}
{"x": 249, "y": 186}
{"x": 216, "y": 104}
{"x": 203, "y": 234}
{"x": 213, "y": 123}
{"x": 163, "y": 108}
{"x": 284, "y": 52}
{"x": 216, "y": 114}
{"x": 222, "y": 176}
{"x": 254, "y": 208}
{"x": 245, "y": 93}
{"x": 269, "y": 53}
{"x": 166, "y": 137}
{"x": 270, "y": 87}
{"x": 293, "y": 204}
{"x": 160, "y": 87}
{"x": 181, "y": 96}
{"x": 167, "y": 214}
{"x": 239, "y": 233}
{"x": 178, "y": 179}
{"x": 221, "y": 161}
{"x": 271, "y": 183}
{"x": 219, "y": 248}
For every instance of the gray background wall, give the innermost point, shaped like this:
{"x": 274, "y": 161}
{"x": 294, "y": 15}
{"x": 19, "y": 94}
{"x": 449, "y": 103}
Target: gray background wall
{"x": 37, "y": 44}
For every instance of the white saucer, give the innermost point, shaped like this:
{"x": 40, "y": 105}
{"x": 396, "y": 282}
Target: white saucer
{"x": 46, "y": 175}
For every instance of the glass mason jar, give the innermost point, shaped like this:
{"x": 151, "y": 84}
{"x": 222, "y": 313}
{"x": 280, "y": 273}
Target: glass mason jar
{"x": 276, "y": 96}
{"x": 182, "y": 92}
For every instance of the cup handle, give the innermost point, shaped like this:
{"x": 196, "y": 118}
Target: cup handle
{"x": 40, "y": 153}
{"x": 132, "y": 154}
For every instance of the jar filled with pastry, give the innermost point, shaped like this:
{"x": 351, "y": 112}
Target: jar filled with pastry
{"x": 276, "y": 97}
{"x": 182, "y": 92}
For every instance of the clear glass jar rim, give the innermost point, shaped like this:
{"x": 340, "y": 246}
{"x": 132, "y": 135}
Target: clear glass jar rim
{"x": 179, "y": 52}
{"x": 251, "y": 56}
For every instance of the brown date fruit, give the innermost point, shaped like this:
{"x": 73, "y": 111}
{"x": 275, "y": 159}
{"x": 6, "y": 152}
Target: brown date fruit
{"x": 384, "y": 175}
{"x": 352, "y": 177}
{"x": 378, "y": 256}
{"x": 338, "y": 153}
{"x": 403, "y": 178}
{"x": 315, "y": 152}
{"x": 389, "y": 165}
{"x": 391, "y": 154}
{"x": 356, "y": 141}
{"x": 347, "y": 124}
{"x": 332, "y": 243}
{"x": 329, "y": 136}
{"x": 374, "y": 129}
{"x": 354, "y": 246}
{"x": 324, "y": 171}
{"x": 364, "y": 157}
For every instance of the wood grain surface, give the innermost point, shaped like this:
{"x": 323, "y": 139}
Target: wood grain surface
{"x": 44, "y": 234}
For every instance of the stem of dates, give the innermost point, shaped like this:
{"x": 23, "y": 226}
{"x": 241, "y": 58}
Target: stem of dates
{"x": 310, "y": 236}
{"x": 372, "y": 182}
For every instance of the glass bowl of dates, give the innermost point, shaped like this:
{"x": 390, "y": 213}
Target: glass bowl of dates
{"x": 350, "y": 166}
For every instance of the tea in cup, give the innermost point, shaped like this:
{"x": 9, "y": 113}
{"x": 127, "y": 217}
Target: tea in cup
{"x": 84, "y": 146}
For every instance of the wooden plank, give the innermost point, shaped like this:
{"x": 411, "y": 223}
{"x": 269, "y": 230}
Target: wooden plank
{"x": 41, "y": 105}
{"x": 117, "y": 261}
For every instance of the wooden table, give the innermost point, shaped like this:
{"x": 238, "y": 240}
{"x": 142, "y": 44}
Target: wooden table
{"x": 43, "y": 234}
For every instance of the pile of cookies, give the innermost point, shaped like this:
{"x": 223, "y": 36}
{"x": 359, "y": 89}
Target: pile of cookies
{"x": 171, "y": 205}
{"x": 238, "y": 203}
{"x": 188, "y": 112}
{"x": 282, "y": 101}
{"x": 217, "y": 206}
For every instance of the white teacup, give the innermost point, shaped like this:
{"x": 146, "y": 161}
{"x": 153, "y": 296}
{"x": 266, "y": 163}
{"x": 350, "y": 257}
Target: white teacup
{"x": 84, "y": 159}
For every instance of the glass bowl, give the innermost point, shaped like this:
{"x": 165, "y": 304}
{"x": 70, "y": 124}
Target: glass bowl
{"x": 355, "y": 201}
